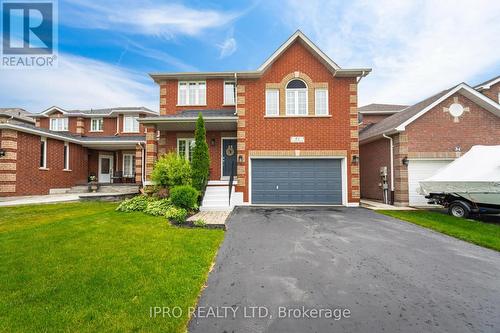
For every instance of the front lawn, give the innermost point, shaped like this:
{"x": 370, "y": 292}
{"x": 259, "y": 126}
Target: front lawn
{"x": 477, "y": 232}
{"x": 83, "y": 267}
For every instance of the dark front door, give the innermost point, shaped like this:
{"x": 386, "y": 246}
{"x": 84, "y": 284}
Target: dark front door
{"x": 228, "y": 156}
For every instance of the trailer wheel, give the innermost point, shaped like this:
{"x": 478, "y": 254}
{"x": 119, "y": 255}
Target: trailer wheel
{"x": 459, "y": 209}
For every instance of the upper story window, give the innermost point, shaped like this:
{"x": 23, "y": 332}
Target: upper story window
{"x": 296, "y": 98}
{"x": 272, "y": 102}
{"x": 130, "y": 124}
{"x": 229, "y": 93}
{"x": 321, "y": 102}
{"x": 96, "y": 124}
{"x": 192, "y": 93}
{"x": 59, "y": 124}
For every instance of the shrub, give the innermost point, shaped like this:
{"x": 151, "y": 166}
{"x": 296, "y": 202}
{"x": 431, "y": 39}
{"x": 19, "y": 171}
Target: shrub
{"x": 176, "y": 214}
{"x": 157, "y": 207}
{"x": 137, "y": 203}
{"x": 184, "y": 196}
{"x": 200, "y": 223}
{"x": 200, "y": 164}
{"x": 171, "y": 170}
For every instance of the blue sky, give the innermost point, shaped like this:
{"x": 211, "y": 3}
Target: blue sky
{"x": 106, "y": 48}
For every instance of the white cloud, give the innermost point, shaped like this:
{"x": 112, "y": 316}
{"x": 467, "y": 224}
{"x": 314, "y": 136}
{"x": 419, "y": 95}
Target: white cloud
{"x": 139, "y": 17}
{"x": 416, "y": 48}
{"x": 228, "y": 47}
{"x": 77, "y": 83}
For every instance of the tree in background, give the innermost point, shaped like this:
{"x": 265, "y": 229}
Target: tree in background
{"x": 200, "y": 164}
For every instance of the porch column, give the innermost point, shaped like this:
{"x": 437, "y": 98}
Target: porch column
{"x": 138, "y": 163}
{"x": 151, "y": 150}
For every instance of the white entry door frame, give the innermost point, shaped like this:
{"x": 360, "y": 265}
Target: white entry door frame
{"x": 105, "y": 168}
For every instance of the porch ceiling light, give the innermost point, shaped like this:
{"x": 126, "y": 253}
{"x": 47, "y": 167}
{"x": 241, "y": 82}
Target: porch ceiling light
{"x": 2, "y": 152}
{"x": 355, "y": 159}
{"x": 212, "y": 142}
{"x": 405, "y": 161}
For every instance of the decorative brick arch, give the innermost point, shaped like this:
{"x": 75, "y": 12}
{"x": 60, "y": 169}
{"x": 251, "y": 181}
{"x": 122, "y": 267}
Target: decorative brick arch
{"x": 311, "y": 86}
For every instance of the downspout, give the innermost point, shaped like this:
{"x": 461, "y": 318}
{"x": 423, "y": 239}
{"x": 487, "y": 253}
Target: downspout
{"x": 235, "y": 93}
{"x": 392, "y": 164}
{"x": 362, "y": 76}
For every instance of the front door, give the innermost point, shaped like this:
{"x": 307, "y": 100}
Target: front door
{"x": 228, "y": 157}
{"x": 105, "y": 168}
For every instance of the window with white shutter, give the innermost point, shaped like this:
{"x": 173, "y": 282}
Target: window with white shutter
{"x": 229, "y": 92}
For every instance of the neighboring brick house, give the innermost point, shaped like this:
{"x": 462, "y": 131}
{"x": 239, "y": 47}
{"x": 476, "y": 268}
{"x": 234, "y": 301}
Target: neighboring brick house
{"x": 415, "y": 143}
{"x": 288, "y": 131}
{"x": 61, "y": 148}
{"x": 15, "y": 115}
{"x": 373, "y": 113}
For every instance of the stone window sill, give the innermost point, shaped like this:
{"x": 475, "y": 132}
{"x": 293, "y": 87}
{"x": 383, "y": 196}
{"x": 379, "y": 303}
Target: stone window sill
{"x": 44, "y": 169}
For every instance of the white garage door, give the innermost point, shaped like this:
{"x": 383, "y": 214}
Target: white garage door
{"x": 419, "y": 170}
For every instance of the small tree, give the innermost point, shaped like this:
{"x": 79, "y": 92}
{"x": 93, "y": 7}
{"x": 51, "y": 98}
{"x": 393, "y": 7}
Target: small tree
{"x": 171, "y": 170}
{"x": 200, "y": 164}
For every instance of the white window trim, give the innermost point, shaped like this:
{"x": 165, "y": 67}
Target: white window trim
{"x": 124, "y": 124}
{"x": 92, "y": 122}
{"x": 187, "y": 150}
{"x": 66, "y": 161}
{"x": 277, "y": 103}
{"x": 296, "y": 92}
{"x": 44, "y": 166}
{"x": 316, "y": 102}
{"x": 197, "y": 103}
{"x": 64, "y": 119}
{"x": 132, "y": 166}
{"x": 234, "y": 96}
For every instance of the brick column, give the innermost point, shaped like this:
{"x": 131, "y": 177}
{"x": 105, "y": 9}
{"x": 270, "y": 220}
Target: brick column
{"x": 241, "y": 169}
{"x": 80, "y": 126}
{"x": 8, "y": 163}
{"x": 354, "y": 144}
{"x": 151, "y": 150}
{"x": 401, "y": 197}
{"x": 138, "y": 163}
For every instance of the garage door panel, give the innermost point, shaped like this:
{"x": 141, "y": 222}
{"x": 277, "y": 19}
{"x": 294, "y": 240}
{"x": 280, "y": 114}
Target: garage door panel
{"x": 300, "y": 181}
{"x": 419, "y": 170}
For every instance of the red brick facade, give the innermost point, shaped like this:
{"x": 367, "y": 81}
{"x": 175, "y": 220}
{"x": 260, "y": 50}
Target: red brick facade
{"x": 22, "y": 175}
{"x": 434, "y": 135}
{"x": 493, "y": 92}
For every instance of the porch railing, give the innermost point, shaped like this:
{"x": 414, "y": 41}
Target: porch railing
{"x": 231, "y": 179}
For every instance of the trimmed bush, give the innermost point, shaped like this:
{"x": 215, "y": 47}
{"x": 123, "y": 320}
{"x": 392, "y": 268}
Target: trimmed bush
{"x": 176, "y": 214}
{"x": 135, "y": 204}
{"x": 171, "y": 170}
{"x": 184, "y": 196}
{"x": 200, "y": 164}
{"x": 157, "y": 207}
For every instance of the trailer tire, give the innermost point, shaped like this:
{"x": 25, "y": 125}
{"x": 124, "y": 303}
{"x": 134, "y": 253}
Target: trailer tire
{"x": 459, "y": 209}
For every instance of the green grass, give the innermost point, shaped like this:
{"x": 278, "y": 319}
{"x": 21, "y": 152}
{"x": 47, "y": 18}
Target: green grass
{"x": 82, "y": 267}
{"x": 477, "y": 232}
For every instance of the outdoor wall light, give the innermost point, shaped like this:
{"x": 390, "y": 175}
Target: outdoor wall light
{"x": 240, "y": 158}
{"x": 2, "y": 152}
{"x": 212, "y": 142}
{"x": 405, "y": 161}
{"x": 355, "y": 159}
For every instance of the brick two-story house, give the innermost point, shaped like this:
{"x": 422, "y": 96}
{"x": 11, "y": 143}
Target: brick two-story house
{"x": 288, "y": 131}
{"x": 416, "y": 142}
{"x": 62, "y": 148}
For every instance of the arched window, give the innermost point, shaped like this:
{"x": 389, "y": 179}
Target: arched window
{"x": 296, "y": 98}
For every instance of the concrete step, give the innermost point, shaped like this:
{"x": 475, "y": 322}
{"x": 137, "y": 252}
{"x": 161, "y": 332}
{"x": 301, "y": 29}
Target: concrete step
{"x": 217, "y": 198}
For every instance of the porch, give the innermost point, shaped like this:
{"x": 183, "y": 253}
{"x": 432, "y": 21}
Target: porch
{"x": 114, "y": 167}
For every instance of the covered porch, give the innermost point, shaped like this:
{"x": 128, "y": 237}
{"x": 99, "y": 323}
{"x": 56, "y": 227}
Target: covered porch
{"x": 120, "y": 162}
{"x": 176, "y": 134}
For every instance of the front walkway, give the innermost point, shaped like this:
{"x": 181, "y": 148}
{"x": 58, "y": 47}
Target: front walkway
{"x": 392, "y": 276}
{"x": 38, "y": 199}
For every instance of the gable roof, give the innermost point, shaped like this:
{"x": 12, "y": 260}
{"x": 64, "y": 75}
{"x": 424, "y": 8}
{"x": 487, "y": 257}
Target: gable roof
{"x": 487, "y": 84}
{"x": 96, "y": 112}
{"x": 297, "y": 36}
{"x": 17, "y": 113}
{"x": 398, "y": 121}
{"x": 376, "y": 108}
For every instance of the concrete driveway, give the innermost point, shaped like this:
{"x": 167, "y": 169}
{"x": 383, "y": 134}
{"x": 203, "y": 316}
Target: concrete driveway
{"x": 352, "y": 270}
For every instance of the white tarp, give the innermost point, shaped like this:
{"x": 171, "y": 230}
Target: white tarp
{"x": 476, "y": 171}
